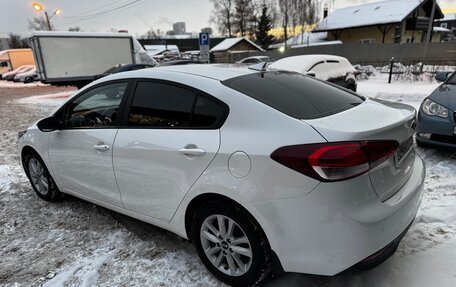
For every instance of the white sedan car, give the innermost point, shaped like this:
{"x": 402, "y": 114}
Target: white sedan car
{"x": 265, "y": 171}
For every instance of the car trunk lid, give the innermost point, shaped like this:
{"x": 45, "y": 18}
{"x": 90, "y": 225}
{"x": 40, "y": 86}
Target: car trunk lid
{"x": 374, "y": 120}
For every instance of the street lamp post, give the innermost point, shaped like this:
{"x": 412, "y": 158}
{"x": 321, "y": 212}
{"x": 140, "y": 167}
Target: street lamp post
{"x": 38, "y": 7}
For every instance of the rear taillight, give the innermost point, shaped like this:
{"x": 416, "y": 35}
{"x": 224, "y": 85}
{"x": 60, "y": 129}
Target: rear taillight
{"x": 335, "y": 161}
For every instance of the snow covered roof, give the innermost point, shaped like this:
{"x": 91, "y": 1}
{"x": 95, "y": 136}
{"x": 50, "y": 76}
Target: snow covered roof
{"x": 448, "y": 17}
{"x": 158, "y": 49}
{"x": 336, "y": 42}
{"x": 305, "y": 38}
{"x": 78, "y": 34}
{"x": 384, "y": 12}
{"x": 230, "y": 42}
{"x": 440, "y": 29}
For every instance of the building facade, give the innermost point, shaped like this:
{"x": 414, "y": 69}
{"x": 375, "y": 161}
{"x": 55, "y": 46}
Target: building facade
{"x": 374, "y": 23}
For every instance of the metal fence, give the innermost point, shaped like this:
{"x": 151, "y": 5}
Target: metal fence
{"x": 443, "y": 53}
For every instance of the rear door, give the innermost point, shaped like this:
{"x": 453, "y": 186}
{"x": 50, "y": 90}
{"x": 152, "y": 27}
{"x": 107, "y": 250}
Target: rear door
{"x": 171, "y": 136}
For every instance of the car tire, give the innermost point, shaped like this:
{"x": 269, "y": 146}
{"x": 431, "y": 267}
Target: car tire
{"x": 422, "y": 144}
{"x": 28, "y": 80}
{"x": 242, "y": 258}
{"x": 40, "y": 178}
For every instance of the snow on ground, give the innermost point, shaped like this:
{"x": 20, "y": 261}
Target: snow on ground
{"x": 56, "y": 99}
{"x": 8, "y": 84}
{"x": 75, "y": 243}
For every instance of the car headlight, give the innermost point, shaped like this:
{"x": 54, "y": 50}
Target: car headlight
{"x": 433, "y": 109}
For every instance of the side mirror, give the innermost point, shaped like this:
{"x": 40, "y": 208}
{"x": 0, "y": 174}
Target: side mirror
{"x": 50, "y": 124}
{"x": 441, "y": 76}
{"x": 310, "y": 73}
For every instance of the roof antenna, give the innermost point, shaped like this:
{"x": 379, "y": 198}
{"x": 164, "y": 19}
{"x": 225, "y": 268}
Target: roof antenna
{"x": 261, "y": 67}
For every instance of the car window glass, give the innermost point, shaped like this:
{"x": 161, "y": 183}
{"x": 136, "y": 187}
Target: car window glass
{"x": 207, "y": 113}
{"x": 96, "y": 108}
{"x": 294, "y": 94}
{"x": 161, "y": 105}
{"x": 452, "y": 79}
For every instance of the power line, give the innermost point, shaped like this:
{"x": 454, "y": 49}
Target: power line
{"x": 108, "y": 12}
{"x": 87, "y": 14}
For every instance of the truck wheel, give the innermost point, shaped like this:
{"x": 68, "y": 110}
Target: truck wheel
{"x": 231, "y": 244}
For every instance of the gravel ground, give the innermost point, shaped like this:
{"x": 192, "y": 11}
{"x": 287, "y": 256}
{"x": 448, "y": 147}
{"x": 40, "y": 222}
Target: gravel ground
{"x": 75, "y": 243}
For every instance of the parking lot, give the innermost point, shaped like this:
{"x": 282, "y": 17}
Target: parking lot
{"x": 75, "y": 243}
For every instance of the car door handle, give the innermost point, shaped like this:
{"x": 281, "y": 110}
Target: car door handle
{"x": 101, "y": 147}
{"x": 192, "y": 151}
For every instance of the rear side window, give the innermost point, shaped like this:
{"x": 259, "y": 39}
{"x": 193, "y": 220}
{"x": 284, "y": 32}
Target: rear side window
{"x": 294, "y": 94}
{"x": 164, "y": 105}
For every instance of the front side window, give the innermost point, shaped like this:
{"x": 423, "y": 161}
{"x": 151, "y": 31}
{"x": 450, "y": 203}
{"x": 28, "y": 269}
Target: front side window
{"x": 163, "y": 105}
{"x": 97, "y": 108}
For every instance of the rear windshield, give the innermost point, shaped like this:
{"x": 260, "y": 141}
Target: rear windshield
{"x": 294, "y": 94}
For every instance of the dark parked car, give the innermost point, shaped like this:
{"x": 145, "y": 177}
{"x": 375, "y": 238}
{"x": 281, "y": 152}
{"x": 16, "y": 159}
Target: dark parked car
{"x": 123, "y": 68}
{"x": 178, "y": 62}
{"x": 334, "y": 69}
{"x": 436, "y": 123}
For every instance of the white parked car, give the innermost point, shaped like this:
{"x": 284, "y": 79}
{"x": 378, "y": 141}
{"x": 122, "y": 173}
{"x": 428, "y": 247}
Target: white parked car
{"x": 334, "y": 69}
{"x": 27, "y": 77}
{"x": 9, "y": 76}
{"x": 262, "y": 170}
{"x": 254, "y": 60}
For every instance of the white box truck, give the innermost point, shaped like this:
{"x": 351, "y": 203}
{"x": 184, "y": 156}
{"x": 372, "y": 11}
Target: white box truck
{"x": 76, "y": 58}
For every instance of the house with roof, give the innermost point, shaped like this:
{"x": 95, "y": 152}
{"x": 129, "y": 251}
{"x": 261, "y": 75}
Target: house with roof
{"x": 449, "y": 23}
{"x": 225, "y": 50}
{"x": 391, "y": 21}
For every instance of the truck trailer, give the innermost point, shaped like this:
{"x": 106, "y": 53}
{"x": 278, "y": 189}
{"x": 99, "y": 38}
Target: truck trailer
{"x": 15, "y": 58}
{"x": 77, "y": 58}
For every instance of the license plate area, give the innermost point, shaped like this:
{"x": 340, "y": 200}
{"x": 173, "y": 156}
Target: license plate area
{"x": 404, "y": 148}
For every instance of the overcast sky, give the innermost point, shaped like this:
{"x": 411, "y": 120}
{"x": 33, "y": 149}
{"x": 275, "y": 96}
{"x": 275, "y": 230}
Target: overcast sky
{"x": 137, "y": 16}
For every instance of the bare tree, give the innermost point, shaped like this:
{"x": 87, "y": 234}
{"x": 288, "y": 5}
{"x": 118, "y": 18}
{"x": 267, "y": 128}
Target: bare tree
{"x": 38, "y": 24}
{"x": 15, "y": 41}
{"x": 151, "y": 34}
{"x": 285, "y": 12}
{"x": 222, "y": 16}
{"x": 244, "y": 17}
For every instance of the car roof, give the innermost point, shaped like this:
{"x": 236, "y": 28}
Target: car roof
{"x": 220, "y": 72}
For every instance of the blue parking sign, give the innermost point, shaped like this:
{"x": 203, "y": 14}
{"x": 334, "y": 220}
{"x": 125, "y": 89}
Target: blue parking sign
{"x": 204, "y": 39}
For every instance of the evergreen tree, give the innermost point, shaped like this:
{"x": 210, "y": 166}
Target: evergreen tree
{"x": 263, "y": 27}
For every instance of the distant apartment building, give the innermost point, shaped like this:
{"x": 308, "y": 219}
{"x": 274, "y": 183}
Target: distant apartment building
{"x": 179, "y": 28}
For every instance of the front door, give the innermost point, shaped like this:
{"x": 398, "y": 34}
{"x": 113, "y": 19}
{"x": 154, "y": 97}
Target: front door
{"x": 81, "y": 153}
{"x": 172, "y": 135}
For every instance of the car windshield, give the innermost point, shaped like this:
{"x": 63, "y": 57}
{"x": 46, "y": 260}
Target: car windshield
{"x": 452, "y": 79}
{"x": 294, "y": 94}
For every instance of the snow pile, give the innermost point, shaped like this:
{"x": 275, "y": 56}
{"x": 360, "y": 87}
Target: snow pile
{"x": 404, "y": 73}
{"x": 7, "y": 84}
{"x": 364, "y": 72}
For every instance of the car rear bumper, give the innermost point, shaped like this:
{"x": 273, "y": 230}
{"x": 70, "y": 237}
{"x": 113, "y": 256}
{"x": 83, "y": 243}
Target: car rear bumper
{"x": 338, "y": 224}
